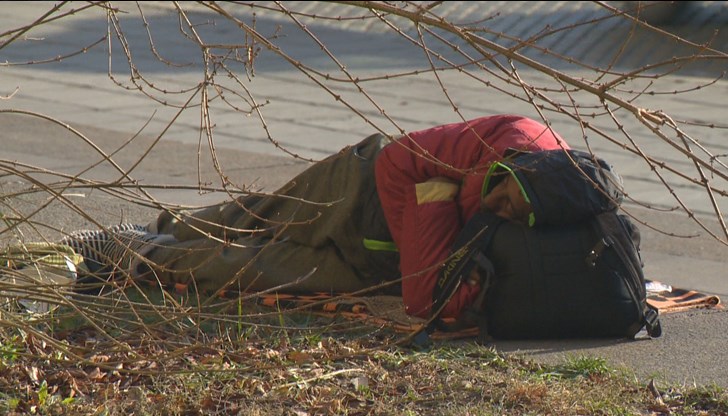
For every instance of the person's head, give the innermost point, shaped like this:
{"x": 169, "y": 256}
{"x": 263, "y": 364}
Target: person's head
{"x": 551, "y": 187}
{"x": 507, "y": 199}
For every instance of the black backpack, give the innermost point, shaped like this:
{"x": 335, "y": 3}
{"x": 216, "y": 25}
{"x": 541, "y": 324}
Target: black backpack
{"x": 577, "y": 273}
{"x": 568, "y": 281}
{"x": 580, "y": 280}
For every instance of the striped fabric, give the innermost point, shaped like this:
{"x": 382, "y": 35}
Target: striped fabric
{"x": 111, "y": 246}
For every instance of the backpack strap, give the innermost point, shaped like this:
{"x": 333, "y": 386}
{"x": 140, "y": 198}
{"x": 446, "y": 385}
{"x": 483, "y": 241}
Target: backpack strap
{"x": 652, "y": 322}
{"x": 466, "y": 254}
{"x": 620, "y": 234}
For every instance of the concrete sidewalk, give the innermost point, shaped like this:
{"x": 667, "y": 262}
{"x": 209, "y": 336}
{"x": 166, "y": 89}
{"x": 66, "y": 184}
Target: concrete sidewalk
{"x": 306, "y": 120}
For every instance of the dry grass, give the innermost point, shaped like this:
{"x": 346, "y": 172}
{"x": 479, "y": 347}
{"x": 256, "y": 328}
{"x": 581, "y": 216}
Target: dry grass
{"x": 49, "y": 368}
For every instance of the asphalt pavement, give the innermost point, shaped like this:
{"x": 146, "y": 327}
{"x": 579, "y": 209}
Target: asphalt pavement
{"x": 49, "y": 108}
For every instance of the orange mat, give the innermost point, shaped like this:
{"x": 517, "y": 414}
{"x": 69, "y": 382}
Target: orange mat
{"x": 387, "y": 311}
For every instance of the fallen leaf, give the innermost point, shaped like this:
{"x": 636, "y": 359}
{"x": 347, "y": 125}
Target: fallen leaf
{"x": 100, "y": 358}
{"x": 300, "y": 357}
{"x": 96, "y": 374}
{"x": 34, "y": 374}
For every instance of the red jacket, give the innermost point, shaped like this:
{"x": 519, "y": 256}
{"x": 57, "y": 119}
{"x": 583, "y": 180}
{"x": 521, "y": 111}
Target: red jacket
{"x": 425, "y": 212}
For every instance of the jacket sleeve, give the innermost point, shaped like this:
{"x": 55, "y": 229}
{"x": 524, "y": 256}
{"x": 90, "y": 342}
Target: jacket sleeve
{"x": 432, "y": 222}
{"x": 419, "y": 185}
